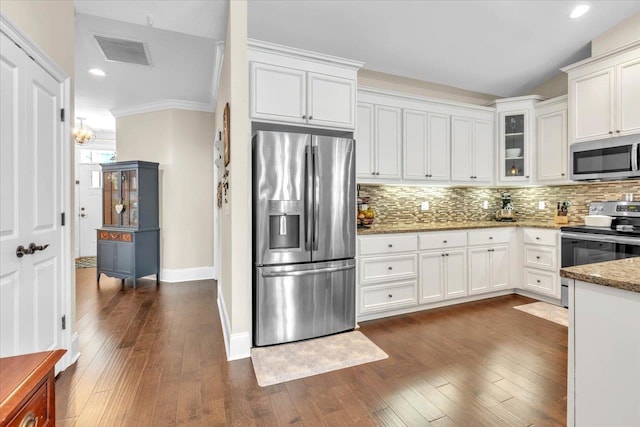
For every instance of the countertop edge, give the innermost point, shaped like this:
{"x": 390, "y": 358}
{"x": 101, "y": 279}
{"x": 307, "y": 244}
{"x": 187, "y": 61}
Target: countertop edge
{"x": 604, "y": 274}
{"x": 463, "y": 225}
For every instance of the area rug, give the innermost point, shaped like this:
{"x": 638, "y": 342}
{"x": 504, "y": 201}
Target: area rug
{"x": 286, "y": 362}
{"x": 86, "y": 262}
{"x": 546, "y": 311}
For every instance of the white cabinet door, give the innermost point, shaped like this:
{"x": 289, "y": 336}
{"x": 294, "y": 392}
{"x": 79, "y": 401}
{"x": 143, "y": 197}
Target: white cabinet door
{"x": 471, "y": 150}
{"x": 593, "y": 105}
{"x": 482, "y": 151}
{"x": 388, "y": 132}
{"x": 461, "y": 149}
{"x": 278, "y": 93}
{"x": 479, "y": 271}
{"x": 628, "y": 103}
{"x": 31, "y": 165}
{"x": 415, "y": 144}
{"x": 456, "y": 272}
{"x": 365, "y": 141}
{"x": 499, "y": 267}
{"x": 331, "y": 101}
{"x": 552, "y": 146}
{"x": 438, "y": 147}
{"x": 432, "y": 277}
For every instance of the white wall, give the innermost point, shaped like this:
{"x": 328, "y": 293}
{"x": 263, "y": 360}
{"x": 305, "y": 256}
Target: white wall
{"x": 235, "y": 297}
{"x": 628, "y": 31}
{"x": 182, "y": 142}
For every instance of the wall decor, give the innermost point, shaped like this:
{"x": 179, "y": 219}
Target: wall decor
{"x": 227, "y": 130}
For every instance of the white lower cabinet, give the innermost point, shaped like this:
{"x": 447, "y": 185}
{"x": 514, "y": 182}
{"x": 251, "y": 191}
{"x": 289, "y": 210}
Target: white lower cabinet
{"x": 442, "y": 275}
{"x": 488, "y": 269}
{"x": 541, "y": 261}
{"x": 387, "y": 297}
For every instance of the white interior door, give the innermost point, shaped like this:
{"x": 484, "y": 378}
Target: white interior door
{"x": 89, "y": 211}
{"x": 31, "y": 202}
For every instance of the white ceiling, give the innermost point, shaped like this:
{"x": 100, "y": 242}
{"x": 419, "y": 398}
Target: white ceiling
{"x": 504, "y": 48}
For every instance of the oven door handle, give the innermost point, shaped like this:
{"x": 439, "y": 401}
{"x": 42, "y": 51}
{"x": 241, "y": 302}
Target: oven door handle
{"x": 597, "y": 238}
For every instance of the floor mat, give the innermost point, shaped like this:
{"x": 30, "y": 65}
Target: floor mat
{"x": 86, "y": 262}
{"x": 546, "y": 311}
{"x": 286, "y": 362}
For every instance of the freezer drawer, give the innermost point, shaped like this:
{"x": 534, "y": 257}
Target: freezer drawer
{"x": 303, "y": 301}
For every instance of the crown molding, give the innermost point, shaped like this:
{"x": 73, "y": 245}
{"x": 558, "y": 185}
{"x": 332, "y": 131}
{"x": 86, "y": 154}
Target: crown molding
{"x": 217, "y": 72}
{"x": 602, "y": 56}
{"x": 259, "y": 45}
{"x": 167, "y": 104}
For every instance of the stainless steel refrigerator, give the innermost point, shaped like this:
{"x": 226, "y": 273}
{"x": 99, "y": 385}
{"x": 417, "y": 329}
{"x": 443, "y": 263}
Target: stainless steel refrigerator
{"x": 303, "y": 236}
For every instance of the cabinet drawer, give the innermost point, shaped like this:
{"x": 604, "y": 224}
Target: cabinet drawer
{"x": 540, "y": 257}
{"x": 388, "y": 297}
{"x": 115, "y": 235}
{"x": 380, "y": 245}
{"x": 540, "y": 281}
{"x": 36, "y": 408}
{"x": 388, "y": 268}
{"x": 489, "y": 236}
{"x": 442, "y": 240}
{"x": 538, "y": 236}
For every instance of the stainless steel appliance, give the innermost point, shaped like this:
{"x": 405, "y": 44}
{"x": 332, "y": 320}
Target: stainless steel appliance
{"x": 304, "y": 225}
{"x": 613, "y": 158}
{"x": 506, "y": 213}
{"x": 587, "y": 245}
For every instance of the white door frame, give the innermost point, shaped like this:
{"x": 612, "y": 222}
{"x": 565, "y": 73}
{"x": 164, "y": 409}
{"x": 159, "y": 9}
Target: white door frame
{"x": 69, "y": 338}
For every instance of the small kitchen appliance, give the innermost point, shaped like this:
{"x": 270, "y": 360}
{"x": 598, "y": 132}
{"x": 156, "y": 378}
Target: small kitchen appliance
{"x": 506, "y": 212}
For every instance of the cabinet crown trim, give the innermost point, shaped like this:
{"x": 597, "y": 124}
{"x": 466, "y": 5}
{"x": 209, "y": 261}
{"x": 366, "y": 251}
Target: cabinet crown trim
{"x": 259, "y": 45}
{"x": 606, "y": 55}
{"x": 385, "y": 92}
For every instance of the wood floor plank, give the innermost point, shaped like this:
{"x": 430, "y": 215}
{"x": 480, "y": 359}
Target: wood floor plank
{"x": 155, "y": 356}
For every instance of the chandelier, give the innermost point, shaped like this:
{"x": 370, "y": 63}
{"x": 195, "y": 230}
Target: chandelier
{"x": 83, "y": 135}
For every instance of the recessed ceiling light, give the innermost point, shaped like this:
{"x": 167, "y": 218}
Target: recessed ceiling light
{"x": 97, "y": 72}
{"x": 579, "y": 10}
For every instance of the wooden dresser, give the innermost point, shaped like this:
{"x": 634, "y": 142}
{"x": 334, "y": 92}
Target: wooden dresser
{"x": 27, "y": 389}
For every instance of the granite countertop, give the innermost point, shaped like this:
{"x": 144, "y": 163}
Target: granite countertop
{"x": 378, "y": 228}
{"x": 622, "y": 274}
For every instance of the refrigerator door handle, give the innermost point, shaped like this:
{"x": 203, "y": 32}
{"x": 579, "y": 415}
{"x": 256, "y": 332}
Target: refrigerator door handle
{"x": 308, "y": 272}
{"x": 316, "y": 198}
{"x": 308, "y": 202}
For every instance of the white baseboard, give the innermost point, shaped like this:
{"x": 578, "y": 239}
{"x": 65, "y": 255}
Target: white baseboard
{"x": 186, "y": 274}
{"x": 71, "y": 356}
{"x": 238, "y": 345}
{"x": 538, "y": 296}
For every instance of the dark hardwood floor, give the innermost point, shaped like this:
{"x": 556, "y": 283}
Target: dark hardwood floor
{"x": 155, "y": 357}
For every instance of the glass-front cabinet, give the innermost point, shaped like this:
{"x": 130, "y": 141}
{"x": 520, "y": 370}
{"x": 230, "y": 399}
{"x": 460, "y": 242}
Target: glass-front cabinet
{"x": 514, "y": 149}
{"x": 128, "y": 241}
{"x": 516, "y": 127}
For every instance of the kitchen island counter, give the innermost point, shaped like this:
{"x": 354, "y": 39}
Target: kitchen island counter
{"x": 621, "y": 274}
{"x": 456, "y": 225}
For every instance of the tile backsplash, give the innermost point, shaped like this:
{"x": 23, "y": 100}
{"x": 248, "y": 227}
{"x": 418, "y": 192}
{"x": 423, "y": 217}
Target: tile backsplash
{"x": 401, "y": 204}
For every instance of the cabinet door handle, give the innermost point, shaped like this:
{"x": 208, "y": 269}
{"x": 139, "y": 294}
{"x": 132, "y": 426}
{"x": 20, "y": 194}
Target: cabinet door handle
{"x": 304, "y": 116}
{"x": 310, "y": 117}
{"x": 490, "y": 237}
{"x": 444, "y": 241}
{"x": 617, "y": 131}
{"x": 446, "y": 254}
{"x": 390, "y": 245}
{"x": 562, "y": 174}
{"x": 610, "y": 132}
{"x": 537, "y": 238}
{"x": 538, "y": 280}
{"x": 30, "y": 420}
{"x": 442, "y": 255}
{"x": 390, "y": 268}
{"x": 390, "y": 295}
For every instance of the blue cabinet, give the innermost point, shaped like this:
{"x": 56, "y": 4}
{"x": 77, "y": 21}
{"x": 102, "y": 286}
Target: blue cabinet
{"x": 129, "y": 239}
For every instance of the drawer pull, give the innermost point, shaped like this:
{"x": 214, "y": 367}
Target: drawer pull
{"x": 30, "y": 420}
{"x": 390, "y": 295}
{"x": 490, "y": 237}
{"x": 444, "y": 241}
{"x": 442, "y": 255}
{"x": 446, "y": 254}
{"x": 537, "y": 238}
{"x": 538, "y": 280}
{"x": 537, "y": 257}
{"x": 390, "y": 245}
{"x": 390, "y": 268}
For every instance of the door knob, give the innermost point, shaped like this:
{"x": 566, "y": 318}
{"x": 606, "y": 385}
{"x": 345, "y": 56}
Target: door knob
{"x": 22, "y": 251}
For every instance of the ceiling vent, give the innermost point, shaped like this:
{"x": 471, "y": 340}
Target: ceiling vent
{"x": 122, "y": 50}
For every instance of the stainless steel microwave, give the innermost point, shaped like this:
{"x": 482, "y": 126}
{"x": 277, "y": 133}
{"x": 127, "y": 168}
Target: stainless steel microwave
{"x": 606, "y": 159}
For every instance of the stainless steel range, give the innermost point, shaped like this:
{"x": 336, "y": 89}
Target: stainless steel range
{"x": 584, "y": 244}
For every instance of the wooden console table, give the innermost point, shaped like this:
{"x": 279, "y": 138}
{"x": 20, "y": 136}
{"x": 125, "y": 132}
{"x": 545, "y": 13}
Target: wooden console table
{"x": 27, "y": 389}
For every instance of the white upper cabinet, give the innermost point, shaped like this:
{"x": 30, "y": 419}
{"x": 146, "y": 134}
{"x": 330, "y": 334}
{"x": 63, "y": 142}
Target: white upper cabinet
{"x": 294, "y": 86}
{"x": 426, "y": 146}
{"x": 378, "y": 142}
{"x": 516, "y": 138}
{"x": 471, "y": 150}
{"x": 603, "y": 95}
{"x": 551, "y": 140}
